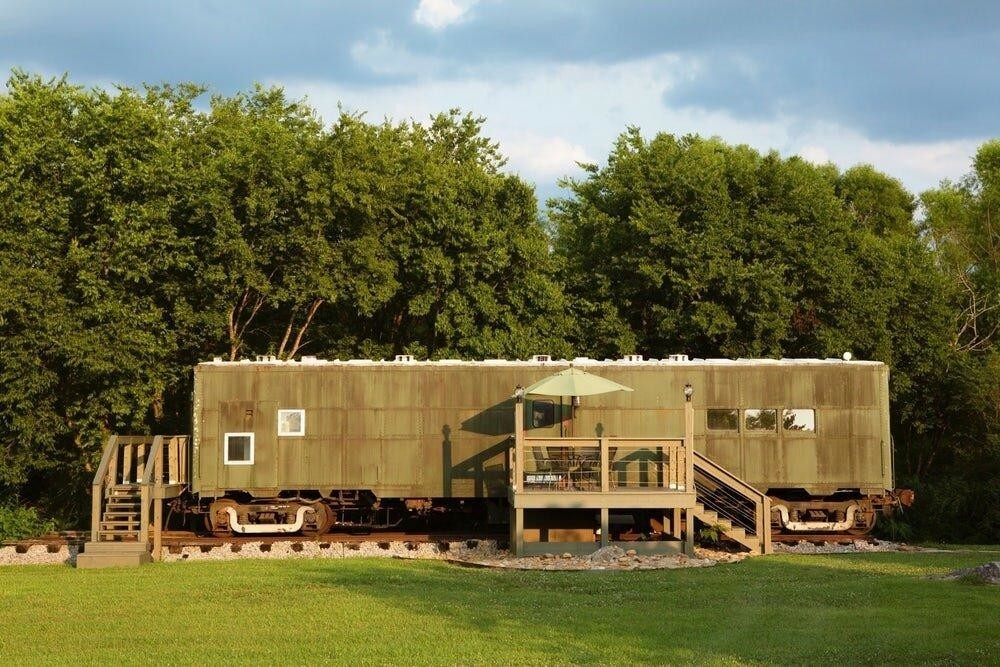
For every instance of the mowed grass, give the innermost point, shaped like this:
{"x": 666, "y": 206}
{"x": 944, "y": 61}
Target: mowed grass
{"x": 847, "y": 609}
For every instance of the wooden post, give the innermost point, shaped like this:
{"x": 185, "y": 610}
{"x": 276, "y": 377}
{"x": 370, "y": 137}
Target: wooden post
{"x": 675, "y": 523}
{"x": 689, "y": 444}
{"x": 689, "y": 531}
{"x": 605, "y": 537}
{"x": 605, "y": 464}
{"x": 517, "y": 531}
{"x": 173, "y": 460}
{"x": 518, "y": 441}
{"x": 97, "y": 490}
{"x": 517, "y": 513}
{"x": 157, "y": 528}
{"x": 144, "y": 516}
{"x": 126, "y": 464}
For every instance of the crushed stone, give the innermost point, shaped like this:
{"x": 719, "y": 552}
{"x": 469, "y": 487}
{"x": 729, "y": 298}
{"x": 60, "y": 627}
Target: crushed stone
{"x": 606, "y": 558}
{"x": 857, "y": 546}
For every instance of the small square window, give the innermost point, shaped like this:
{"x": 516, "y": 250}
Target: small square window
{"x": 761, "y": 420}
{"x": 723, "y": 420}
{"x": 543, "y": 413}
{"x": 291, "y": 422}
{"x": 799, "y": 420}
{"x": 238, "y": 449}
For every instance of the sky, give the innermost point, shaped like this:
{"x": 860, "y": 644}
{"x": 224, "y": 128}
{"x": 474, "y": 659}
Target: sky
{"x": 911, "y": 87}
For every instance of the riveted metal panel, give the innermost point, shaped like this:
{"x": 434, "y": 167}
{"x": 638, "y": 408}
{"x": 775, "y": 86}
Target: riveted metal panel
{"x": 441, "y": 429}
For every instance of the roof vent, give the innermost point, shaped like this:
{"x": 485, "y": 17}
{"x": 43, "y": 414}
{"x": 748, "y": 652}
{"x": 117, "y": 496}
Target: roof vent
{"x": 541, "y": 358}
{"x": 632, "y": 358}
{"x": 404, "y": 358}
{"x": 309, "y": 359}
{"x": 216, "y": 360}
{"x": 678, "y": 357}
{"x": 265, "y": 358}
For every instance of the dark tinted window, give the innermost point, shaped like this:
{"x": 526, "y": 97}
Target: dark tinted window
{"x": 724, "y": 420}
{"x": 761, "y": 420}
{"x": 543, "y": 413}
{"x": 239, "y": 448}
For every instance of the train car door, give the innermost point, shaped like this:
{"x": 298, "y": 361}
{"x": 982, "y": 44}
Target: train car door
{"x": 249, "y": 446}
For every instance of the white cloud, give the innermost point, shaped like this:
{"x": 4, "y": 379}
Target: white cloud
{"x": 548, "y": 117}
{"x": 543, "y": 157}
{"x": 381, "y": 55}
{"x": 438, "y": 14}
{"x": 814, "y": 154}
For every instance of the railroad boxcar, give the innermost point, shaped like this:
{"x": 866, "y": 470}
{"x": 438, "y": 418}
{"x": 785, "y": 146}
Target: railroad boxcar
{"x": 309, "y": 445}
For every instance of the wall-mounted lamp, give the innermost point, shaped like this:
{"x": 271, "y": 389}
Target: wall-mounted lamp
{"x": 518, "y": 394}
{"x": 688, "y": 392}
{"x": 576, "y": 401}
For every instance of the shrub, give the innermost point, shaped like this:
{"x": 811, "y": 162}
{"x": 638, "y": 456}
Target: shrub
{"x": 19, "y": 522}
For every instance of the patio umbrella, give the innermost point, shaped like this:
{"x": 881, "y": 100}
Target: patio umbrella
{"x": 574, "y": 382}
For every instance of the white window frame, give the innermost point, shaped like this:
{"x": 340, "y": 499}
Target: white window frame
{"x": 225, "y": 449}
{"x": 302, "y": 422}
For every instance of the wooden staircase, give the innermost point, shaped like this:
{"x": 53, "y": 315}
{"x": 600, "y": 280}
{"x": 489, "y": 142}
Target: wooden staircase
{"x": 725, "y": 502}
{"x": 711, "y": 519}
{"x": 136, "y": 475}
{"x": 122, "y": 516}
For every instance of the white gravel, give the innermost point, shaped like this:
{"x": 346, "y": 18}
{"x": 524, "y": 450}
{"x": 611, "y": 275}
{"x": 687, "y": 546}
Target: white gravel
{"x": 858, "y": 546}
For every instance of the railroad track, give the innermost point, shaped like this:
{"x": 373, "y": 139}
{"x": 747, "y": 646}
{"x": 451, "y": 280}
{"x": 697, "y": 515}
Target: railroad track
{"x": 181, "y": 538}
{"x": 821, "y": 538}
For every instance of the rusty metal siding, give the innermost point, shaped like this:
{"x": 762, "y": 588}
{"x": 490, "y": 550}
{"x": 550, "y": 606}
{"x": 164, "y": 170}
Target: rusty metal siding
{"x": 429, "y": 430}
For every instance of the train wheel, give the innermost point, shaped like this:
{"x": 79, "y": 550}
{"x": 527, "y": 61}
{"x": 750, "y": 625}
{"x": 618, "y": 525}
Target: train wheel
{"x": 323, "y": 519}
{"x": 217, "y": 520}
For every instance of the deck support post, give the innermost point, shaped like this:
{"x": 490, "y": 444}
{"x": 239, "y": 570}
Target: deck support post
{"x": 157, "y": 529}
{"x": 675, "y": 523}
{"x": 605, "y": 537}
{"x": 689, "y": 532}
{"x": 517, "y": 530}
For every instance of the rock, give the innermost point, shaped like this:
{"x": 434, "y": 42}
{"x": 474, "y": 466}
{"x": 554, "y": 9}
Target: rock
{"x": 988, "y": 573}
{"x": 607, "y": 554}
{"x": 567, "y": 555}
{"x": 631, "y": 552}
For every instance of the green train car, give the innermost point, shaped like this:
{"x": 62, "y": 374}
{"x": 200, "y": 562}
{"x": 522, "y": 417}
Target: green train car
{"x": 285, "y": 446}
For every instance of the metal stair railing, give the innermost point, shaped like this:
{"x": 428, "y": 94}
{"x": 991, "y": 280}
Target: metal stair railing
{"x": 731, "y": 498}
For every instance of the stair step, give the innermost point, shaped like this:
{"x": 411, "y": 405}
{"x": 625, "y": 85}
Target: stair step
{"x": 111, "y": 525}
{"x": 111, "y": 515}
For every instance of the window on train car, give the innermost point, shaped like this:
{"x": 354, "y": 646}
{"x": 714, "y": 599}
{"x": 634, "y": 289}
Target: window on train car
{"x": 291, "y": 422}
{"x": 723, "y": 420}
{"x": 543, "y": 413}
{"x": 800, "y": 419}
{"x": 761, "y": 419}
{"x": 238, "y": 450}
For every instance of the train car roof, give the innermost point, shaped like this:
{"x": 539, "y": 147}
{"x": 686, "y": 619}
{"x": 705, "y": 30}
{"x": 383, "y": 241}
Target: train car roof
{"x": 540, "y": 360}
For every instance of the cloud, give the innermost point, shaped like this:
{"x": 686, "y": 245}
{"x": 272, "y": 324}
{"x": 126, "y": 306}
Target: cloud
{"x": 381, "y": 55}
{"x": 438, "y": 14}
{"x": 542, "y": 157}
{"x": 548, "y": 118}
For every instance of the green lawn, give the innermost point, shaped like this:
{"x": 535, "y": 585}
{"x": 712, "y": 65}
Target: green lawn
{"x": 788, "y": 609}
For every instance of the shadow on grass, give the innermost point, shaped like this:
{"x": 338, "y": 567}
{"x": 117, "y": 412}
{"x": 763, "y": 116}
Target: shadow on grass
{"x": 786, "y": 608}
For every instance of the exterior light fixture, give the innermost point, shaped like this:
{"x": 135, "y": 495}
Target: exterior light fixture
{"x": 688, "y": 392}
{"x": 518, "y": 394}
{"x": 848, "y": 356}
{"x": 576, "y": 401}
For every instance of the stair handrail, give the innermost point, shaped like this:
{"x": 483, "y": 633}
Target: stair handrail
{"x": 97, "y": 486}
{"x": 762, "y": 503}
{"x": 152, "y": 471}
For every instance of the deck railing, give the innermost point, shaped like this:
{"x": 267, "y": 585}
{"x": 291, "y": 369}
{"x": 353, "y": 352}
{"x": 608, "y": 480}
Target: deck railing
{"x": 156, "y": 465}
{"x": 604, "y": 465}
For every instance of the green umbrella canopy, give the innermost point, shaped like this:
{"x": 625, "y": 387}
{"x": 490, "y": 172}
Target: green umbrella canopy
{"x": 574, "y": 382}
